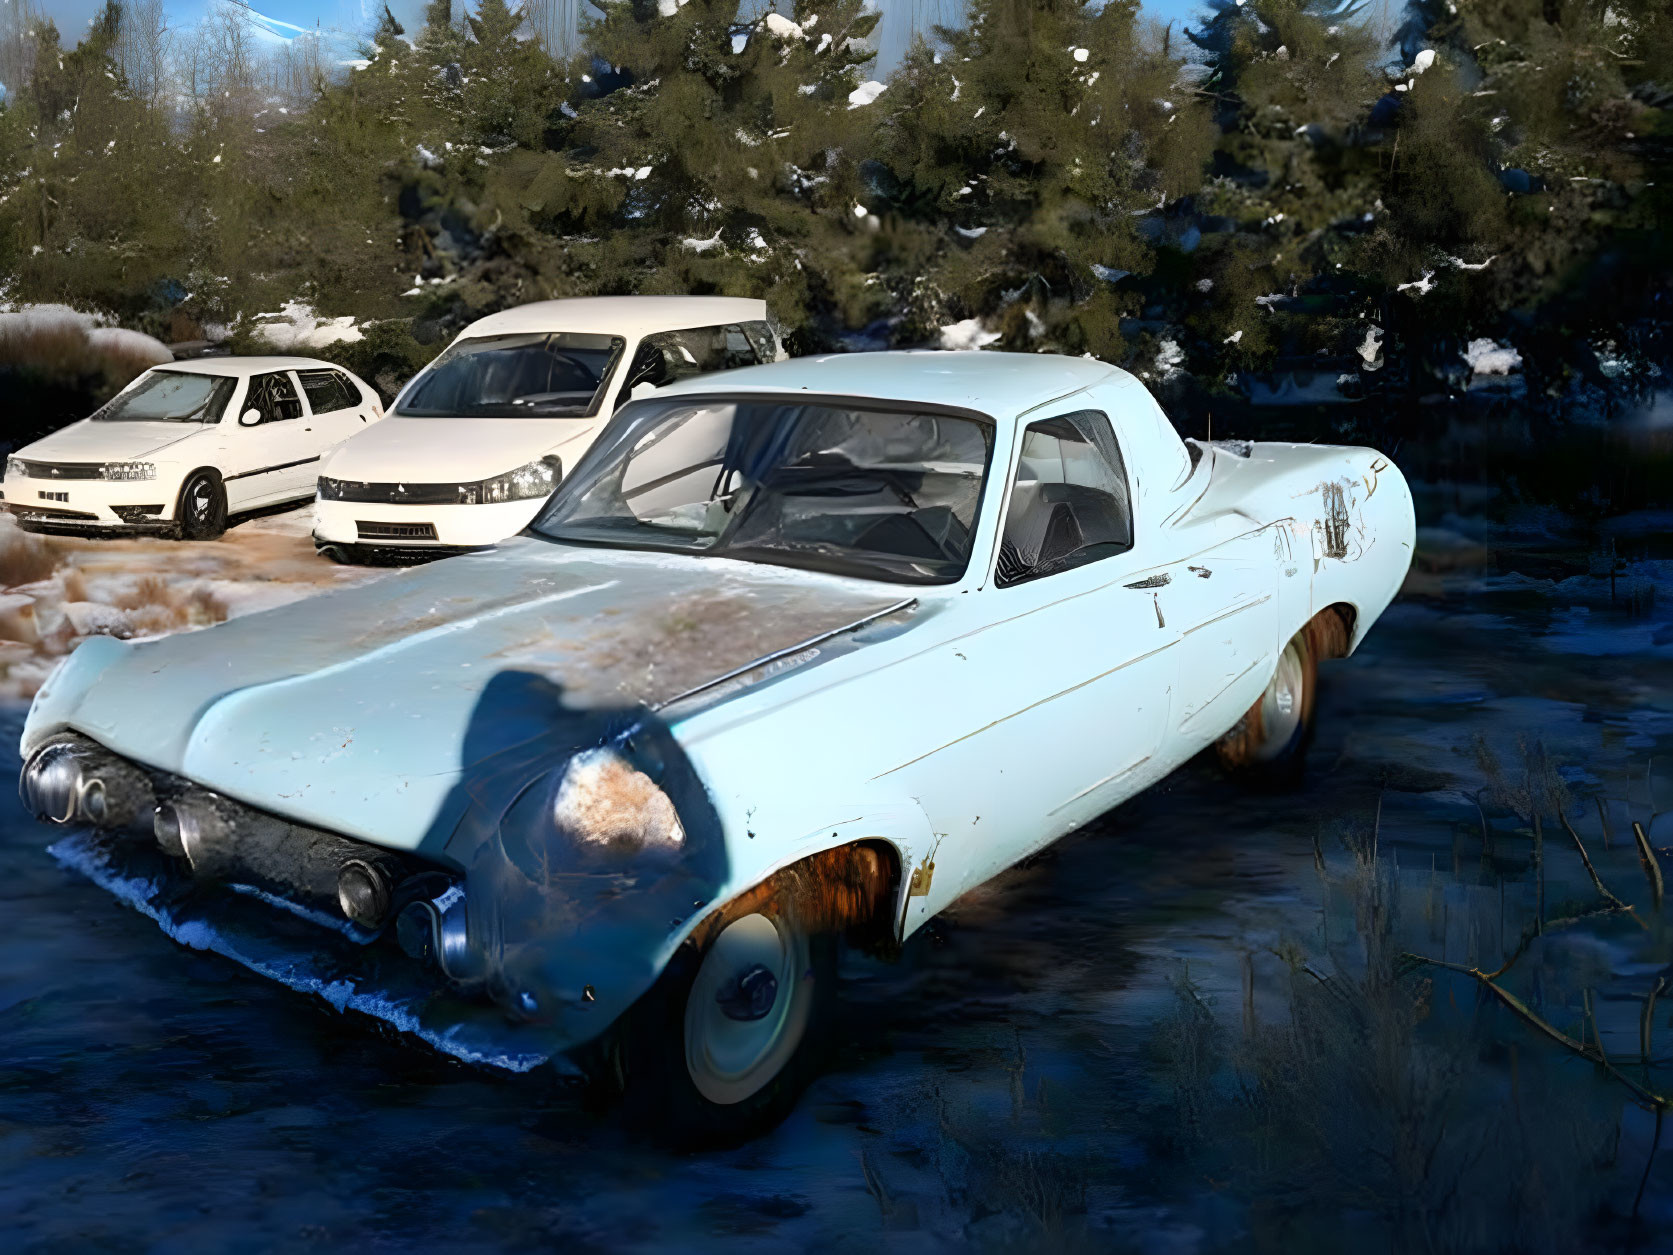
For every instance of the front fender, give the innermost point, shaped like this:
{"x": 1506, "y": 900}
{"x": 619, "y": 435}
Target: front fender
{"x": 901, "y": 825}
{"x": 57, "y": 701}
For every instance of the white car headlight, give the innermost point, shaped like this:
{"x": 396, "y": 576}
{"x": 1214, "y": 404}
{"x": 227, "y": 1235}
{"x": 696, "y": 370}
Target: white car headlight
{"x": 15, "y": 469}
{"x": 537, "y": 479}
{"x": 128, "y": 470}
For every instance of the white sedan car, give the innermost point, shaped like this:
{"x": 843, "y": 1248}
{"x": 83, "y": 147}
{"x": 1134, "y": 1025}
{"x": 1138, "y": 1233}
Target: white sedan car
{"x": 480, "y": 438}
{"x": 798, "y": 652}
{"x": 188, "y": 444}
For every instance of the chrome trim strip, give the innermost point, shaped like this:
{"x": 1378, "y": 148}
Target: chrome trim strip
{"x": 809, "y": 643}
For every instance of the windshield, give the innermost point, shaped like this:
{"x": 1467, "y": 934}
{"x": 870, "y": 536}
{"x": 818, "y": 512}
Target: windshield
{"x": 171, "y": 396}
{"x": 540, "y": 375}
{"x": 875, "y": 493}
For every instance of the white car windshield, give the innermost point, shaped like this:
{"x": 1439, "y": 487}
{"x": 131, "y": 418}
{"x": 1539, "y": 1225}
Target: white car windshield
{"x": 543, "y": 375}
{"x": 171, "y": 396}
{"x": 853, "y": 488}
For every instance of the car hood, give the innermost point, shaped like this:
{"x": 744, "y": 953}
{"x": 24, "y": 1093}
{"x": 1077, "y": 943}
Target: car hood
{"x": 369, "y": 710}
{"x": 456, "y": 450}
{"x": 87, "y": 441}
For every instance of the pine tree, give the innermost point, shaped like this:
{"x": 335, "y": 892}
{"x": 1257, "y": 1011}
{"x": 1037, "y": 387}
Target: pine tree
{"x": 1291, "y": 83}
{"x": 720, "y": 154}
{"x": 1020, "y": 150}
{"x": 1523, "y": 173}
{"x": 509, "y": 83}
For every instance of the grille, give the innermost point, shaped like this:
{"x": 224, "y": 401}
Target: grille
{"x": 392, "y": 494}
{"x": 61, "y": 470}
{"x": 395, "y": 531}
{"x": 137, "y": 513}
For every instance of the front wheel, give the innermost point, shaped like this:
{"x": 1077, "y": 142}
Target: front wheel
{"x": 203, "y": 507}
{"x": 722, "y": 1047}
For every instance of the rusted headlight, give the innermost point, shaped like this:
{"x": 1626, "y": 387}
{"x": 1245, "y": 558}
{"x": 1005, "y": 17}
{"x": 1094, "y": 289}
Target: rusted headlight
{"x": 605, "y": 803}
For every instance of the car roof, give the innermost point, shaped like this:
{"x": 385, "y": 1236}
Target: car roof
{"x": 620, "y": 315}
{"x": 240, "y": 366}
{"x": 1002, "y": 385}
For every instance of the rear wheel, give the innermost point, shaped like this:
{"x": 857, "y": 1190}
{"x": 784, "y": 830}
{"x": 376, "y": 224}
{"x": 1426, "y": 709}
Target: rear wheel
{"x": 1269, "y": 744}
{"x": 721, "y": 1048}
{"x": 202, "y": 513}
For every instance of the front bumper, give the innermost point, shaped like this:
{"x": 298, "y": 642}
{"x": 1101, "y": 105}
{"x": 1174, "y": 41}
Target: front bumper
{"x": 418, "y": 527}
{"x": 265, "y": 892}
{"x": 374, "y": 979}
{"x": 145, "y": 505}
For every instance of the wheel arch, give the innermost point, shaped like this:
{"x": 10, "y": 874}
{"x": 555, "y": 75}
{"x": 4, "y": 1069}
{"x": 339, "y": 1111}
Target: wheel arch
{"x": 186, "y": 475}
{"x": 851, "y": 886}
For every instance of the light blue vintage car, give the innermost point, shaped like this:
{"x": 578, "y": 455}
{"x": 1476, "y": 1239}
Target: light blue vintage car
{"x": 798, "y": 651}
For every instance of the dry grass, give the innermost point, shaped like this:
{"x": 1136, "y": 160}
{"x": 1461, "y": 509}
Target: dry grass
{"x": 171, "y": 610}
{"x": 74, "y": 584}
{"x": 62, "y": 344}
{"x": 25, "y": 557}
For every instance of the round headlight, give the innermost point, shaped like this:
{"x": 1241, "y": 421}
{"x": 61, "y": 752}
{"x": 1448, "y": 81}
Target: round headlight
{"x": 606, "y": 803}
{"x": 52, "y": 783}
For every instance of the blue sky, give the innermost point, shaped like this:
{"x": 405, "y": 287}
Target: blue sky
{"x": 353, "y": 18}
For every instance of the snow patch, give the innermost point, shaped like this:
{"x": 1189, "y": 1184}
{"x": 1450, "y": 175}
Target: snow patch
{"x": 966, "y": 335}
{"x": 1487, "y": 357}
{"x": 779, "y": 26}
{"x": 1419, "y": 287}
{"x": 1371, "y": 348}
{"x": 865, "y": 93}
{"x": 1170, "y": 358}
{"x": 297, "y": 326}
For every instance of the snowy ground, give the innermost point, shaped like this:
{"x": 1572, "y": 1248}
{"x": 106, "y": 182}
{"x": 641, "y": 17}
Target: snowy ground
{"x": 60, "y": 590}
{"x": 1155, "y": 1036}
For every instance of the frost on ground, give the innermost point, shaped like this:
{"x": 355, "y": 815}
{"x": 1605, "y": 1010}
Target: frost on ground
{"x": 57, "y": 591}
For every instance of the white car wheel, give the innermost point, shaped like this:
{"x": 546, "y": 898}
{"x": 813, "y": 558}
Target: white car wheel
{"x": 748, "y": 1008}
{"x": 1282, "y": 704}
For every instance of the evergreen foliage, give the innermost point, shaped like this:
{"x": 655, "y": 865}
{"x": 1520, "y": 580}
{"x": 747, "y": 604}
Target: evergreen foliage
{"x": 1282, "y": 190}
{"x": 1019, "y": 155}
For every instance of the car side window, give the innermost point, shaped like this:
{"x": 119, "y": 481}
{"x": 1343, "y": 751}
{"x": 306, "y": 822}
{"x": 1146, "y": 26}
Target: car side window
{"x": 762, "y": 342}
{"x": 1070, "y": 503}
{"x": 275, "y": 397}
{"x": 672, "y": 355}
{"x": 328, "y": 391}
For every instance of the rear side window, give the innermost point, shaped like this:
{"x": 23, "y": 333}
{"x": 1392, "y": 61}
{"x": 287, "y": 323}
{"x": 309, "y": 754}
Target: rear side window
{"x": 1070, "y": 503}
{"x": 328, "y": 391}
{"x": 670, "y": 355}
{"x": 274, "y": 396}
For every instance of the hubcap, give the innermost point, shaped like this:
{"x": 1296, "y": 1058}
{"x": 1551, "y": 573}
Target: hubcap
{"x": 1281, "y": 703}
{"x": 748, "y": 1008}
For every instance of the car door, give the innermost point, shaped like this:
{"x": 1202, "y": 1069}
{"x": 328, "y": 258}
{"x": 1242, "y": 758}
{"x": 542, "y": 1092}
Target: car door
{"x": 276, "y": 459}
{"x": 336, "y": 410}
{"x": 1056, "y": 706}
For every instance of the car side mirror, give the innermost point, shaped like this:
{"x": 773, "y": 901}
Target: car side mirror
{"x": 250, "y": 417}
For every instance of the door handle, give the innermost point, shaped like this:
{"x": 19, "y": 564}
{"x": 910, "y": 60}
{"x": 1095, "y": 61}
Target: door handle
{"x": 1152, "y": 581}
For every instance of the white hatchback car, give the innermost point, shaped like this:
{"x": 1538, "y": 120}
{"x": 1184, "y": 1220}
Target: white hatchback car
{"x": 189, "y": 443}
{"x": 482, "y": 436}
